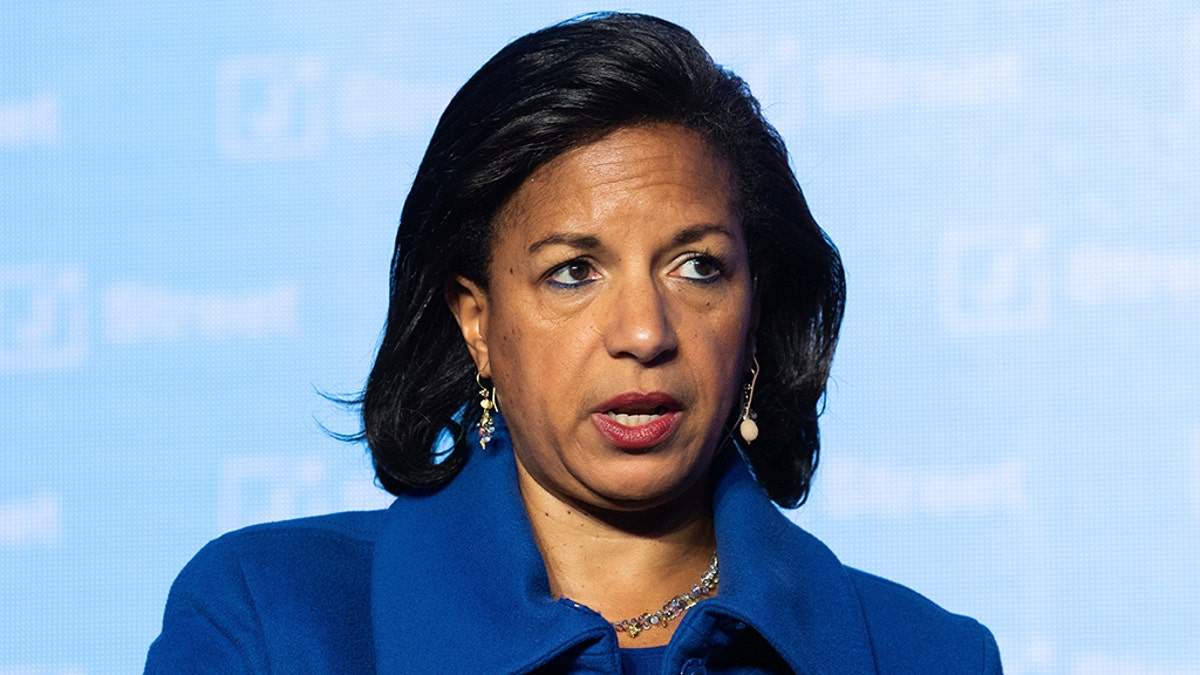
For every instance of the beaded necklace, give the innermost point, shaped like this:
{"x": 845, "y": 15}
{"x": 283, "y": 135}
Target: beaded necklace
{"x": 675, "y": 607}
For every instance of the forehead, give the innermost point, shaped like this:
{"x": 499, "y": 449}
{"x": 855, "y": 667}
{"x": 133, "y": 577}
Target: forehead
{"x": 667, "y": 169}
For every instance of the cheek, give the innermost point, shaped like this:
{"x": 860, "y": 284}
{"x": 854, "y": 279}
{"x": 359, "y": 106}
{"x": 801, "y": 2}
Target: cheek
{"x": 728, "y": 349}
{"x": 531, "y": 364}
{"x": 729, "y": 326}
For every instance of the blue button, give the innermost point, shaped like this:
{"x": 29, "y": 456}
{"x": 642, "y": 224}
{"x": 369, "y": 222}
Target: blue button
{"x": 693, "y": 667}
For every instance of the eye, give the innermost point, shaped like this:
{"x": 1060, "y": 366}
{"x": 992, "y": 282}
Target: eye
{"x": 703, "y": 268}
{"x": 572, "y": 274}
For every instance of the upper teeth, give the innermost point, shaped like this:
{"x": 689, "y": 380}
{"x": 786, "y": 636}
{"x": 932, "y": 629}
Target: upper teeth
{"x": 632, "y": 420}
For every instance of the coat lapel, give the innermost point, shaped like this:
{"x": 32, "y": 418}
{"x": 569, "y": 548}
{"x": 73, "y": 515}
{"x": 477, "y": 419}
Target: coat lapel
{"x": 458, "y": 582}
{"x": 783, "y": 582}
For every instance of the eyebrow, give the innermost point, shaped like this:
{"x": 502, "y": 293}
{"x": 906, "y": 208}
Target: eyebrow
{"x": 586, "y": 242}
{"x": 583, "y": 241}
{"x": 695, "y": 233}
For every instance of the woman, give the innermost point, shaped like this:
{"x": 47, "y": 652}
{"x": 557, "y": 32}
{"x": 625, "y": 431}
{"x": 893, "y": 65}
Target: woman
{"x": 604, "y": 267}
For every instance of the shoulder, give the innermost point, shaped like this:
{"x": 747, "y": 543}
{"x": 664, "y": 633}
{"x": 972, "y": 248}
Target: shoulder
{"x": 321, "y": 549}
{"x": 332, "y": 533}
{"x": 910, "y": 633}
{"x": 272, "y": 591}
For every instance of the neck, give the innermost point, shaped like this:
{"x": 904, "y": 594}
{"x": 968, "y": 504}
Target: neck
{"x": 622, "y": 563}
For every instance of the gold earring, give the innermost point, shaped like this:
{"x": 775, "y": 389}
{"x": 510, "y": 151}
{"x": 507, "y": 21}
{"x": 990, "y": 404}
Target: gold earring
{"x": 487, "y": 425}
{"x": 748, "y": 427}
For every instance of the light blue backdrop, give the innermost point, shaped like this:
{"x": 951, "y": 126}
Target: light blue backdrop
{"x": 197, "y": 205}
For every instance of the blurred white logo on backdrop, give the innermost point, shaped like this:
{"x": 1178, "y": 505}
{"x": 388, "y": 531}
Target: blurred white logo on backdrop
{"x": 281, "y": 107}
{"x": 993, "y": 280}
{"x": 268, "y": 488}
{"x": 44, "y": 318}
{"x": 138, "y": 313}
{"x": 853, "y": 488}
{"x": 1098, "y": 275}
{"x": 852, "y": 82}
{"x": 369, "y": 104}
{"x": 31, "y": 521}
{"x": 270, "y": 107}
{"x": 28, "y": 122}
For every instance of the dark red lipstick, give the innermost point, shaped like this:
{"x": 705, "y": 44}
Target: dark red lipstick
{"x": 636, "y": 420}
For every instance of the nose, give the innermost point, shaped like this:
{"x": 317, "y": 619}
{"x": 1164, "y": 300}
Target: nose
{"x": 639, "y": 323}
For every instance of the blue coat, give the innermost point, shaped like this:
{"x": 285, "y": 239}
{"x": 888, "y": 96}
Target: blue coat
{"x": 452, "y": 582}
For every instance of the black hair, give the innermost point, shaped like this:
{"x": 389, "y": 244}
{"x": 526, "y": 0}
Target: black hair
{"x": 543, "y": 94}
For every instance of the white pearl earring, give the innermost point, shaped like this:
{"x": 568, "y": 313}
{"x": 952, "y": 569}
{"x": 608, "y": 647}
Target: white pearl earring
{"x": 749, "y": 428}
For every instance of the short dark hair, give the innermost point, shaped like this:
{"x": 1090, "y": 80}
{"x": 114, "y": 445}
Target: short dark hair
{"x": 545, "y": 93}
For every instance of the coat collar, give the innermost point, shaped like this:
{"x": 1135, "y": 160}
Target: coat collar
{"x": 783, "y": 582}
{"x": 457, "y": 580}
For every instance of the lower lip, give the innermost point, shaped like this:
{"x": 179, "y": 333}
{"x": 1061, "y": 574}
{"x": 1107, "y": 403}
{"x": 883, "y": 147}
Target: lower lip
{"x": 633, "y": 438}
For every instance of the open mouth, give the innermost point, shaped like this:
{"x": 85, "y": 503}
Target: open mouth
{"x": 636, "y": 418}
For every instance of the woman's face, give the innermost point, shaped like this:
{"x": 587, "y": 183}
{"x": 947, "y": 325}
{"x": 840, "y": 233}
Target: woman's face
{"x": 617, "y": 324}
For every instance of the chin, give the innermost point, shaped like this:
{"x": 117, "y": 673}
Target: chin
{"x": 642, "y": 490}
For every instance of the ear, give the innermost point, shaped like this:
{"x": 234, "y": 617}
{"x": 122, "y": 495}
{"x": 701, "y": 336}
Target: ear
{"x": 469, "y": 304}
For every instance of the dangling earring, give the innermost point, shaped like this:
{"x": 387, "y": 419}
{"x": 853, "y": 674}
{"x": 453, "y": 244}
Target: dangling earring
{"x": 487, "y": 425}
{"x": 748, "y": 427}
